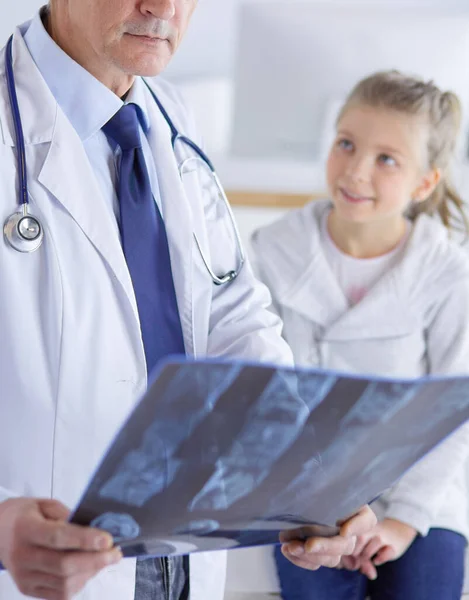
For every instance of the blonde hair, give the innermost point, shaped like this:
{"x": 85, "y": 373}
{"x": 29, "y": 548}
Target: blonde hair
{"x": 442, "y": 113}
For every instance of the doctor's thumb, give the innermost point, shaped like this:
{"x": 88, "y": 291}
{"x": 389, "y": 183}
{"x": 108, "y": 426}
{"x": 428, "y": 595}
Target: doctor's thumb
{"x": 54, "y": 510}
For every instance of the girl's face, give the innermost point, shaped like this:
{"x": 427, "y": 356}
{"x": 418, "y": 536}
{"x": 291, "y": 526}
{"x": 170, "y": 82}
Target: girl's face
{"x": 376, "y": 164}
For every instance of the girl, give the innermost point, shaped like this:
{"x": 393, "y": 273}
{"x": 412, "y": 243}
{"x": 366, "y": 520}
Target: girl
{"x": 368, "y": 282}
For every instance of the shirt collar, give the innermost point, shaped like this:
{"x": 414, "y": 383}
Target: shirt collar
{"x": 86, "y": 102}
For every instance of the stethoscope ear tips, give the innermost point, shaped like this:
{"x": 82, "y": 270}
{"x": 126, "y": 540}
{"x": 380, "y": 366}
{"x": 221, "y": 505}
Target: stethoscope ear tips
{"x": 23, "y": 232}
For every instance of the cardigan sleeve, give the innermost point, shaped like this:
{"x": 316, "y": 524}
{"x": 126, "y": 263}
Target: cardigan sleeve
{"x": 417, "y": 498}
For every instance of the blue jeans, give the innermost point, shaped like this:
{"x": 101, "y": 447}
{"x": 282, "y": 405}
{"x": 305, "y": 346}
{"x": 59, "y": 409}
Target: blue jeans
{"x": 156, "y": 579}
{"x": 431, "y": 569}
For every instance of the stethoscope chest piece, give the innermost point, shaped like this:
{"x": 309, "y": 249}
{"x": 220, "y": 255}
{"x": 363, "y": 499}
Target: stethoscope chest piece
{"x": 23, "y": 232}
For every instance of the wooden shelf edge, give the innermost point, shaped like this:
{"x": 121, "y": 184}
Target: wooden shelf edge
{"x": 270, "y": 199}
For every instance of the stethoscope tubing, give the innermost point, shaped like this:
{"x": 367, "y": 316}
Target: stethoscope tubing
{"x": 21, "y": 151}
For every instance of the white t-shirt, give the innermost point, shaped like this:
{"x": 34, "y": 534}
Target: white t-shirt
{"x": 356, "y": 276}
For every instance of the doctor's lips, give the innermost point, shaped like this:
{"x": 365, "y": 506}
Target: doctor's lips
{"x": 149, "y": 38}
{"x": 160, "y": 31}
{"x": 354, "y": 198}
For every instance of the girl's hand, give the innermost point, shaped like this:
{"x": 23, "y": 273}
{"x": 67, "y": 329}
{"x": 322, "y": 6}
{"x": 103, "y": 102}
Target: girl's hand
{"x": 389, "y": 540}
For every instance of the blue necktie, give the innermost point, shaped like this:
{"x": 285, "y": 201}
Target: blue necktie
{"x": 145, "y": 243}
{"x": 146, "y": 252}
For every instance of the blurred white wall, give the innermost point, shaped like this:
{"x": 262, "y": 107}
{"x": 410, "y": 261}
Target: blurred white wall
{"x": 14, "y": 13}
{"x": 215, "y": 22}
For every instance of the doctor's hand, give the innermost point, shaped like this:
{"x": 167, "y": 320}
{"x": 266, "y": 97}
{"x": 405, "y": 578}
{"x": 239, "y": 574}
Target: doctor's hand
{"x": 388, "y": 541}
{"x": 47, "y": 556}
{"x": 318, "y": 552}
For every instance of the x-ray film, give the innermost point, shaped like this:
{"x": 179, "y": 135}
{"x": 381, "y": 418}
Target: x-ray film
{"x": 222, "y": 454}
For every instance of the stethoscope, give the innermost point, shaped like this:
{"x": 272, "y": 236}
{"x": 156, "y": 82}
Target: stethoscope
{"x": 24, "y": 232}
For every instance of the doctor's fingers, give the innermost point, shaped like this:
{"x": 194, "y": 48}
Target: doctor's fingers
{"x": 337, "y": 546}
{"x": 58, "y": 535}
{"x": 49, "y": 587}
{"x": 53, "y": 509}
{"x": 333, "y": 546}
{"x": 31, "y": 521}
{"x": 311, "y": 562}
{"x": 360, "y": 524}
{"x": 63, "y": 565}
{"x": 318, "y": 551}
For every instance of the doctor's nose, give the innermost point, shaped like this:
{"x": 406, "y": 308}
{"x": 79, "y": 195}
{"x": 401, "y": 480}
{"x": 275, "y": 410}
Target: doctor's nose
{"x": 161, "y": 9}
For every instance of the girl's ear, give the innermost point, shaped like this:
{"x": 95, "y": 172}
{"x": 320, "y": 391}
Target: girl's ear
{"x": 427, "y": 186}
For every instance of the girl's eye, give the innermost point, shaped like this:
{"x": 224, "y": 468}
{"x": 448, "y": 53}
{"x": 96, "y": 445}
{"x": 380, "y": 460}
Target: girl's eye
{"x": 345, "y": 144}
{"x": 387, "y": 160}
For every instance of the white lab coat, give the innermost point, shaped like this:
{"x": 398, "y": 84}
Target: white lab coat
{"x": 414, "y": 321}
{"x": 72, "y": 364}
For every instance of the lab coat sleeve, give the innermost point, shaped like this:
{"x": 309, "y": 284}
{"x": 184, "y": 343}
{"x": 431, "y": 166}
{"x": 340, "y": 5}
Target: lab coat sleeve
{"x": 242, "y": 323}
{"x": 261, "y": 273}
{"x": 419, "y": 495}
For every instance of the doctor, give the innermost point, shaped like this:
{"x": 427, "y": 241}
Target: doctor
{"x": 122, "y": 259}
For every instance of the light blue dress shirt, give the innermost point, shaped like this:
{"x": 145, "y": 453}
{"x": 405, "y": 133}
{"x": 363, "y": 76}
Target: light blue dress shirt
{"x": 88, "y": 105}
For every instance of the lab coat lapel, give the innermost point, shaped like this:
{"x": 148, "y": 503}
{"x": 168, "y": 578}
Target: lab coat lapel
{"x": 389, "y": 309}
{"x": 319, "y": 298}
{"x": 37, "y": 107}
{"x": 382, "y": 313}
{"x": 312, "y": 289}
{"x": 68, "y": 175}
{"x": 66, "y": 172}
{"x": 177, "y": 216}
{"x": 316, "y": 295}
{"x": 314, "y": 292}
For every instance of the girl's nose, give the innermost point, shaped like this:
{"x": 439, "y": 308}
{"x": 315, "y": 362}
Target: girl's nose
{"x": 359, "y": 169}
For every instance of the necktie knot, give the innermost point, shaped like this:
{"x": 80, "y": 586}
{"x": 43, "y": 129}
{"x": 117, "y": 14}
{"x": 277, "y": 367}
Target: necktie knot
{"x": 124, "y": 129}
